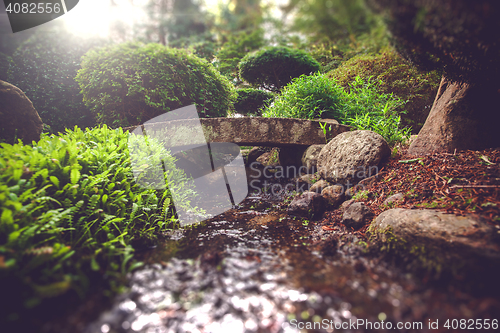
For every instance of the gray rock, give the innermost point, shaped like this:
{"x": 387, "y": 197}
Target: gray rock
{"x": 19, "y": 118}
{"x": 310, "y": 157}
{"x": 269, "y": 158}
{"x": 357, "y": 215}
{"x": 319, "y": 186}
{"x": 308, "y": 204}
{"x": 346, "y": 205}
{"x": 308, "y": 179}
{"x": 334, "y": 195}
{"x": 440, "y": 240}
{"x": 254, "y": 154}
{"x": 395, "y": 198}
{"x": 352, "y": 156}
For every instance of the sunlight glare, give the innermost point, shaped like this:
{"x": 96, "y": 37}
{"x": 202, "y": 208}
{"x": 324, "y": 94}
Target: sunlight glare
{"x": 95, "y": 17}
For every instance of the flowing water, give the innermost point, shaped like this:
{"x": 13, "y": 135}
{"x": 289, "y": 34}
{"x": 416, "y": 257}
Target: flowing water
{"x": 255, "y": 269}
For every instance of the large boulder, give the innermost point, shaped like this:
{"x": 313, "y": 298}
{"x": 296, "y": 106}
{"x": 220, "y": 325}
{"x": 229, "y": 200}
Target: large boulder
{"x": 310, "y": 157}
{"x": 437, "y": 241}
{"x": 19, "y": 118}
{"x": 352, "y": 156}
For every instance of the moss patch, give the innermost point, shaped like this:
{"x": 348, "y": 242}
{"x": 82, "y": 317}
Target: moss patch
{"x": 419, "y": 258}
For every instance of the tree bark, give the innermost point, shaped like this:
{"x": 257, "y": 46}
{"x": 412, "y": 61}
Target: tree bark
{"x": 463, "y": 116}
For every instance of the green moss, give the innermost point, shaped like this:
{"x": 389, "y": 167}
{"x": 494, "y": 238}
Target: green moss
{"x": 416, "y": 257}
{"x": 399, "y": 77}
{"x": 131, "y": 83}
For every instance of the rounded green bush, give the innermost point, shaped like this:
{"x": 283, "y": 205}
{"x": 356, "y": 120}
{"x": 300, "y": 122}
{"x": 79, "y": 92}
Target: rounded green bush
{"x": 130, "y": 83}
{"x": 44, "y": 68}
{"x": 308, "y": 97}
{"x": 251, "y": 101}
{"x": 272, "y": 68}
{"x": 396, "y": 76}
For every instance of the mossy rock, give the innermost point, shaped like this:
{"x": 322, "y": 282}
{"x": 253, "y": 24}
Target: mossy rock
{"x": 397, "y": 76}
{"x": 434, "y": 242}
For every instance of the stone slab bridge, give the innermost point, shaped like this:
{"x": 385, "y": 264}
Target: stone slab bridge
{"x": 247, "y": 131}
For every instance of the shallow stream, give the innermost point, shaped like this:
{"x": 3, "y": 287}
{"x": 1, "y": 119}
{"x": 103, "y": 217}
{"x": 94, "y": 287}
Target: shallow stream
{"x": 255, "y": 269}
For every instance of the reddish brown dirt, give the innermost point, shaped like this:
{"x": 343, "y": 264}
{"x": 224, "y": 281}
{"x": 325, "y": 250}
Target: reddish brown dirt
{"x": 461, "y": 183}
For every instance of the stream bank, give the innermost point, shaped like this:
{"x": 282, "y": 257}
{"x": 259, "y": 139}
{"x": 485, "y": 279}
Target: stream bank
{"x": 257, "y": 269}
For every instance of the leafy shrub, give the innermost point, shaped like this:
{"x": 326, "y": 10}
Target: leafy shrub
{"x": 44, "y": 69}
{"x": 71, "y": 210}
{"x": 130, "y": 83}
{"x": 363, "y": 106}
{"x": 396, "y": 76}
{"x": 364, "y": 96}
{"x": 272, "y": 68}
{"x": 308, "y": 97}
{"x": 251, "y": 101}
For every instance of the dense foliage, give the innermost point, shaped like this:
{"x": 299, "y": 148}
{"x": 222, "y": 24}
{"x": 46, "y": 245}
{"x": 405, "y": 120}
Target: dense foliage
{"x": 44, "y": 69}
{"x": 272, "y": 68}
{"x": 309, "y": 97}
{"x": 362, "y": 105}
{"x": 251, "y": 101}
{"x": 459, "y": 36}
{"x": 396, "y": 76}
{"x": 332, "y": 20}
{"x": 130, "y": 83}
{"x": 70, "y": 207}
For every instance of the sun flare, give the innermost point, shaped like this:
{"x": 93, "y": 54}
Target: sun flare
{"x": 95, "y": 17}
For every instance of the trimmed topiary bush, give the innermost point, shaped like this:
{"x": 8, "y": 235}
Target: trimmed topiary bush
{"x": 130, "y": 83}
{"x": 44, "y": 68}
{"x": 396, "y": 76}
{"x": 252, "y": 101}
{"x": 272, "y": 68}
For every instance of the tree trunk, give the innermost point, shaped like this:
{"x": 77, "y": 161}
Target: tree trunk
{"x": 462, "y": 117}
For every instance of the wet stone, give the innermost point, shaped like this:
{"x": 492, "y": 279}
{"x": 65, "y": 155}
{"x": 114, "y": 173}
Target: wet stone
{"x": 308, "y": 205}
{"x": 357, "y": 215}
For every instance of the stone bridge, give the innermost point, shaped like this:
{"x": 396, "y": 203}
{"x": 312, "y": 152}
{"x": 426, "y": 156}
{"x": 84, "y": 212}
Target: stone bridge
{"x": 246, "y": 131}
